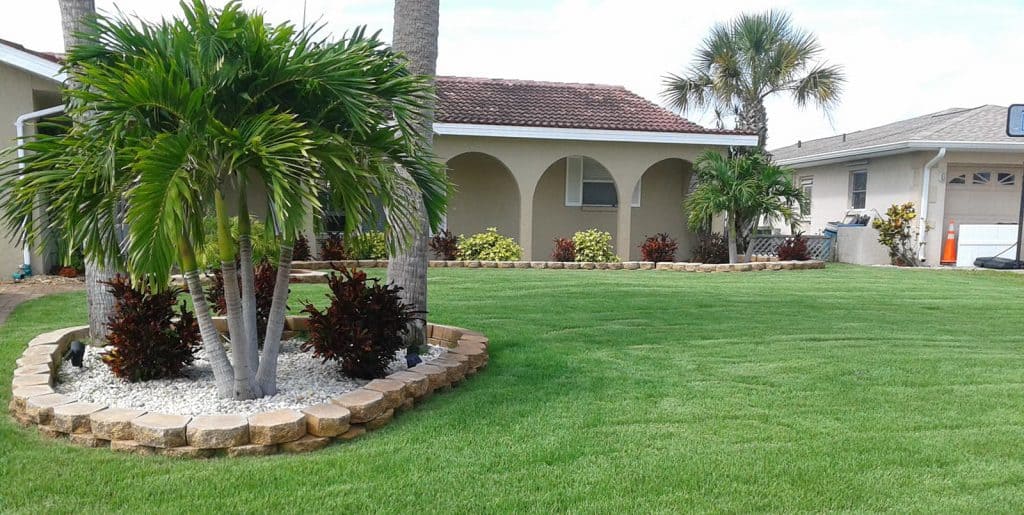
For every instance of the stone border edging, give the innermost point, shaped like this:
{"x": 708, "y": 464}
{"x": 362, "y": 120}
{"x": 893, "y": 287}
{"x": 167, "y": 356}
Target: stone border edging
{"x": 34, "y": 402}
{"x": 312, "y": 270}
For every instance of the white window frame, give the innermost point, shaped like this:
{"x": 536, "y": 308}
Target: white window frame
{"x": 806, "y": 184}
{"x": 853, "y": 173}
{"x": 575, "y": 179}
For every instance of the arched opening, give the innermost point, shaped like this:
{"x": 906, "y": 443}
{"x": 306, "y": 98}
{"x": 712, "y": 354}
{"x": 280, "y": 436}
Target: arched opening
{"x": 658, "y": 207}
{"x": 486, "y": 195}
{"x": 575, "y": 193}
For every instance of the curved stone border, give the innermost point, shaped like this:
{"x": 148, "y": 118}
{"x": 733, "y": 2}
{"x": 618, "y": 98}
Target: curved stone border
{"x": 34, "y": 402}
{"x": 312, "y": 269}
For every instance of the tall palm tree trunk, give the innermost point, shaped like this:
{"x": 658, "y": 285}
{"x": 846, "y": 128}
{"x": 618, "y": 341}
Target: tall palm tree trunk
{"x": 732, "y": 237}
{"x": 73, "y": 14}
{"x": 415, "y": 35}
{"x": 223, "y": 375}
{"x": 266, "y": 375}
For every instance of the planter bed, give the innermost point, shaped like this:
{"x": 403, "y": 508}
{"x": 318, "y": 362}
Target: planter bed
{"x": 36, "y": 403}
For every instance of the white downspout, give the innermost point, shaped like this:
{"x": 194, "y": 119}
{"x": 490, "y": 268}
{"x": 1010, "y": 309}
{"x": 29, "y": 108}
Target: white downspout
{"x": 922, "y": 224}
{"x": 19, "y": 129}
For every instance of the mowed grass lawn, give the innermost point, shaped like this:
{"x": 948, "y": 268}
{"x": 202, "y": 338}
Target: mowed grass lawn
{"x": 609, "y": 391}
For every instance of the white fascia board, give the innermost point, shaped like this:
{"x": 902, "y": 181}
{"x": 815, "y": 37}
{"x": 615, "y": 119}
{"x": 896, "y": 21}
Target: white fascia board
{"x": 901, "y": 147}
{"x": 512, "y": 131}
{"x": 31, "y": 63}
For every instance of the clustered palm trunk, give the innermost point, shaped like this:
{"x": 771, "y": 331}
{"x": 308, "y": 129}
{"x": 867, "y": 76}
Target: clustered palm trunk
{"x": 415, "y": 35}
{"x": 186, "y": 113}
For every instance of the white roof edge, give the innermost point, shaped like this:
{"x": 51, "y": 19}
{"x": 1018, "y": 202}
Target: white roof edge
{"x": 513, "y": 131}
{"x": 899, "y": 148}
{"x": 31, "y": 63}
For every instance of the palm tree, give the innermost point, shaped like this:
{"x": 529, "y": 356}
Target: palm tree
{"x": 74, "y": 15}
{"x": 745, "y": 61}
{"x": 746, "y": 189}
{"x": 182, "y": 115}
{"x": 415, "y": 35}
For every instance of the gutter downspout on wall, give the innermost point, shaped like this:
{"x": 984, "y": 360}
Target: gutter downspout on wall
{"x": 922, "y": 224}
{"x": 19, "y": 129}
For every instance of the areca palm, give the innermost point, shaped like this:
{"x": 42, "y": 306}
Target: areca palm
{"x": 745, "y": 61}
{"x": 746, "y": 189}
{"x": 183, "y": 116}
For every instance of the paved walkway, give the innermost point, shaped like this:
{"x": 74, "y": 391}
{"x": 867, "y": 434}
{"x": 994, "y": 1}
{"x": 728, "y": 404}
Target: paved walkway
{"x": 12, "y": 294}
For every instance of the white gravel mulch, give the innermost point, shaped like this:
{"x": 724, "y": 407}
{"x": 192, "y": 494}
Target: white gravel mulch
{"x": 302, "y": 381}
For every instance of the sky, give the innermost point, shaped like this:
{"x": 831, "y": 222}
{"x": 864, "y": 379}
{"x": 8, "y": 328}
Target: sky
{"x": 902, "y": 58}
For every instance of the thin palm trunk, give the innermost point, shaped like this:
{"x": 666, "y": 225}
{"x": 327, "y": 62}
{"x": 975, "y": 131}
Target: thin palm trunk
{"x": 248, "y": 282}
{"x": 732, "y": 237}
{"x": 266, "y": 376}
{"x": 223, "y": 376}
{"x": 415, "y": 35}
{"x": 243, "y": 382}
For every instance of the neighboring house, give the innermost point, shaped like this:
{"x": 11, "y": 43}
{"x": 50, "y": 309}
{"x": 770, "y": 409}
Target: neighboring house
{"x": 956, "y": 164}
{"x": 29, "y": 82}
{"x": 542, "y": 160}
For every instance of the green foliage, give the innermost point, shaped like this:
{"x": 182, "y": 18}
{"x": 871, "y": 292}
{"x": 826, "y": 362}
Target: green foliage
{"x": 896, "y": 232}
{"x": 489, "y": 246}
{"x": 363, "y": 326}
{"x": 366, "y": 245}
{"x": 144, "y": 342}
{"x": 594, "y": 246}
{"x": 264, "y": 245}
{"x": 748, "y": 59}
{"x": 170, "y": 113}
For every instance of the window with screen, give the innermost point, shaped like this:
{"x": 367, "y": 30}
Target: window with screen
{"x": 858, "y": 189}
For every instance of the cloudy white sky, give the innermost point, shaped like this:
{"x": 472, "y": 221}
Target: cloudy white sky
{"x": 902, "y": 58}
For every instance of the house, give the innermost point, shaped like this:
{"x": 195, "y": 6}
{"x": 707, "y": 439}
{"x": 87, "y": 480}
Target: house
{"x": 29, "y": 90}
{"x": 957, "y": 164}
{"x": 542, "y": 160}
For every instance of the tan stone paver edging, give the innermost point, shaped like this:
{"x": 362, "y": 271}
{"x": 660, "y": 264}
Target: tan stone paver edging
{"x": 34, "y": 403}
{"x": 312, "y": 271}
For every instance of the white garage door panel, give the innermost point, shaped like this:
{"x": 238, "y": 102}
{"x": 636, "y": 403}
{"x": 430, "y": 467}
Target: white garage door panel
{"x": 983, "y": 195}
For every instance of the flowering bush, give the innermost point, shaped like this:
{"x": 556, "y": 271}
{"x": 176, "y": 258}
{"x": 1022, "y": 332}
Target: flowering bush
{"x": 594, "y": 246}
{"x": 144, "y": 341}
{"x": 658, "y": 248}
{"x": 897, "y": 233}
{"x": 794, "y": 249}
{"x": 445, "y": 245}
{"x": 711, "y": 248}
{"x": 489, "y": 246}
{"x": 362, "y": 328}
{"x": 565, "y": 250}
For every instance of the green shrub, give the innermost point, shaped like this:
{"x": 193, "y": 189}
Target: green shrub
{"x": 489, "y": 246}
{"x": 896, "y": 231}
{"x": 264, "y": 243}
{"x": 368, "y": 245}
{"x": 594, "y": 246}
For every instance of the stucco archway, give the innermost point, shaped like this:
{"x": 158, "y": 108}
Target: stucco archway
{"x": 591, "y": 202}
{"x": 486, "y": 195}
{"x": 663, "y": 187}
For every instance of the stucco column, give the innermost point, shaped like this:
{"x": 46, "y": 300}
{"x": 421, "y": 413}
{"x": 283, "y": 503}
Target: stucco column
{"x": 526, "y": 222}
{"x": 623, "y": 240}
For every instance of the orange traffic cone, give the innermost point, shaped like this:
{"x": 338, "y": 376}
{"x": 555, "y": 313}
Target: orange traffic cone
{"x": 949, "y": 248}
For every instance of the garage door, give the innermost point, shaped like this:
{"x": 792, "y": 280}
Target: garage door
{"x": 983, "y": 195}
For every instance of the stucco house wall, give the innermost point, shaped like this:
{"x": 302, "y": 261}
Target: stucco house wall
{"x": 21, "y": 92}
{"x": 537, "y": 167}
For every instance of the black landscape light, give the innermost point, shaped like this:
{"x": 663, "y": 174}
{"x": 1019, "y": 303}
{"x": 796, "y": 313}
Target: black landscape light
{"x": 412, "y": 356}
{"x": 76, "y": 353}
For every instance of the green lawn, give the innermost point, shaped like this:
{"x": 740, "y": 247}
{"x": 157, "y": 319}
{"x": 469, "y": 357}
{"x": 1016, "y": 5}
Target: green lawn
{"x": 841, "y": 389}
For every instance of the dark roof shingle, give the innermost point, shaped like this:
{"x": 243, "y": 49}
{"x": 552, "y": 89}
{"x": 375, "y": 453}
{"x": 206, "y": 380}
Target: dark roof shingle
{"x": 524, "y": 103}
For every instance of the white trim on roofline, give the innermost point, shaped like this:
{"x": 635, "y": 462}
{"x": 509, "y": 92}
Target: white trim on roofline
{"x": 31, "y": 63}
{"x": 900, "y": 147}
{"x": 513, "y": 131}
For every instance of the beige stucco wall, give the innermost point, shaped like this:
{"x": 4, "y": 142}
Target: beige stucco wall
{"x": 486, "y": 196}
{"x": 662, "y": 190}
{"x": 534, "y": 164}
{"x": 16, "y": 99}
{"x": 859, "y": 245}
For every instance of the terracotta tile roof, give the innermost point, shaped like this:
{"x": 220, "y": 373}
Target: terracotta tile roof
{"x": 49, "y": 56}
{"x": 555, "y": 104}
